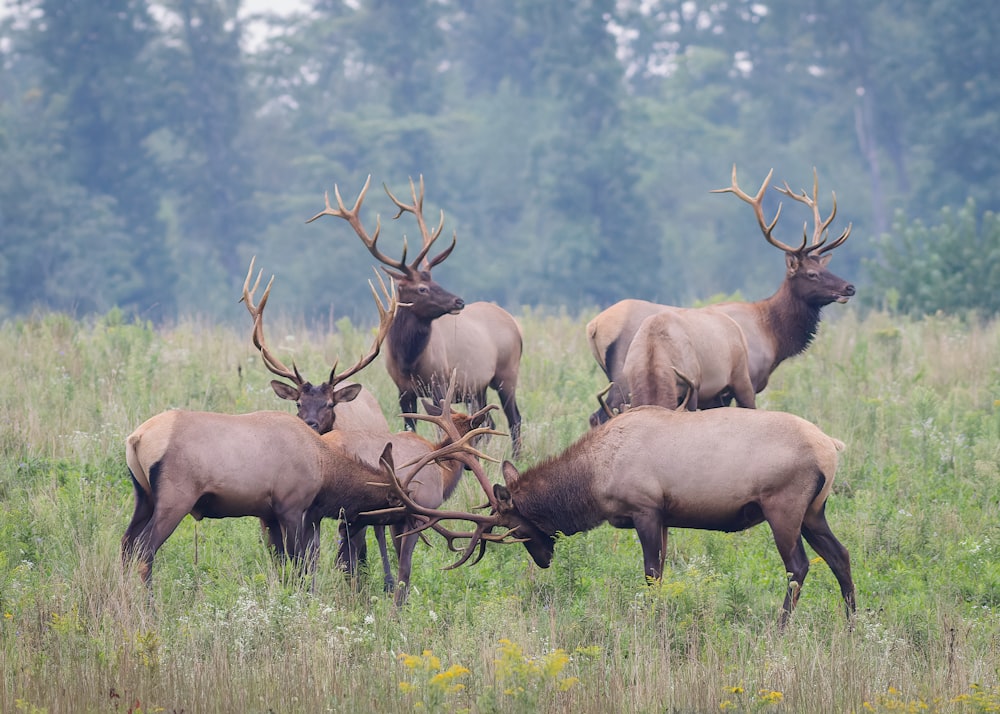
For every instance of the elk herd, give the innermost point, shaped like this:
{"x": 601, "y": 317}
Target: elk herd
{"x": 660, "y": 452}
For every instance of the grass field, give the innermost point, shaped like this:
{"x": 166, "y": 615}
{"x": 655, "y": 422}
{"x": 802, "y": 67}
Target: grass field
{"x": 917, "y": 502}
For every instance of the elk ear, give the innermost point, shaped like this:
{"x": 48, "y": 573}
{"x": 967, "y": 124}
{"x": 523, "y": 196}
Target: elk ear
{"x": 431, "y": 408}
{"x": 346, "y": 394}
{"x": 386, "y": 458}
{"x": 792, "y": 262}
{"x": 502, "y": 496}
{"x": 510, "y": 474}
{"x": 285, "y": 391}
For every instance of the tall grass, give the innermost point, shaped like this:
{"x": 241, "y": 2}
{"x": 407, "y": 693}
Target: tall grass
{"x": 917, "y": 502}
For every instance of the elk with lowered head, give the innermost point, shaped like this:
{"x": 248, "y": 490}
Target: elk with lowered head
{"x": 436, "y": 333}
{"x": 650, "y": 469}
{"x": 775, "y": 328}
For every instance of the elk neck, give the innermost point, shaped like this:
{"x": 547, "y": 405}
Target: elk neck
{"x": 557, "y": 496}
{"x": 350, "y": 487}
{"x": 407, "y": 339}
{"x": 791, "y": 320}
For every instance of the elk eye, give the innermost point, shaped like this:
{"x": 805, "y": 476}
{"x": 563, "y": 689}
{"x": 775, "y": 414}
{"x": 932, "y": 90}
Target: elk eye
{"x": 812, "y": 275}
{"x": 423, "y": 290}
{"x": 298, "y": 405}
{"x": 329, "y": 405}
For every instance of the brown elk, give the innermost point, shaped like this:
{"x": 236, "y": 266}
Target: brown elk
{"x": 265, "y": 464}
{"x": 350, "y": 405}
{"x": 437, "y": 333}
{"x": 364, "y": 436}
{"x": 775, "y": 328}
{"x": 651, "y": 469}
{"x": 685, "y": 354}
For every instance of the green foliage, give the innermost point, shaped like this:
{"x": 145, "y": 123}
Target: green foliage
{"x": 952, "y": 266}
{"x": 916, "y": 401}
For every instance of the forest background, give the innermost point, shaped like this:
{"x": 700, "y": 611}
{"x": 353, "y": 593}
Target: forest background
{"x": 149, "y": 149}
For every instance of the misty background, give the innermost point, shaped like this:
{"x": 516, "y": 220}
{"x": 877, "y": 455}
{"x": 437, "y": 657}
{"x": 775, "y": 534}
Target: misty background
{"x": 149, "y": 149}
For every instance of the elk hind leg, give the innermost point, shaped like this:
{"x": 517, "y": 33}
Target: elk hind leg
{"x": 788, "y": 540}
{"x": 140, "y": 519}
{"x": 653, "y": 539}
{"x": 817, "y": 533}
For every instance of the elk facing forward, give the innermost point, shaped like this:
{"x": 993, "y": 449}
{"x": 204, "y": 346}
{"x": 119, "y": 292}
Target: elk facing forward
{"x": 652, "y": 468}
{"x": 435, "y": 333}
{"x": 775, "y": 328}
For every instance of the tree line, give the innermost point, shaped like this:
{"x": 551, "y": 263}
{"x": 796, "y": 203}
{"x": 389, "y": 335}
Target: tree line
{"x": 150, "y": 149}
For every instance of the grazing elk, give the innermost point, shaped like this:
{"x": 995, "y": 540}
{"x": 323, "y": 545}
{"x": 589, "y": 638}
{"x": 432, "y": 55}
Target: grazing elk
{"x": 775, "y": 328}
{"x": 651, "y": 469}
{"x": 435, "y": 332}
{"x": 351, "y": 406}
{"x": 685, "y": 354}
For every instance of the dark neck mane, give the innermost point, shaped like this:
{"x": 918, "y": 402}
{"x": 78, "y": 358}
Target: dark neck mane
{"x": 408, "y": 337}
{"x": 556, "y": 494}
{"x": 791, "y": 320}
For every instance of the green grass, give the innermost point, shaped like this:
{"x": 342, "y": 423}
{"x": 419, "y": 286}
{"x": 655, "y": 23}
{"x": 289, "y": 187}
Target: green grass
{"x": 917, "y": 502}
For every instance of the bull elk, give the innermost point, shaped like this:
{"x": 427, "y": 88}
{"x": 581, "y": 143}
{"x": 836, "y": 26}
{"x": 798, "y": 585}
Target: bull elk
{"x": 437, "y": 333}
{"x": 775, "y": 328}
{"x": 651, "y": 469}
{"x": 265, "y": 464}
{"x": 350, "y": 405}
{"x": 364, "y": 434}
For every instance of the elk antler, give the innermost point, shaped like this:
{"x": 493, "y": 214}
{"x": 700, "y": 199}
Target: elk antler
{"x": 417, "y": 209}
{"x": 821, "y": 228}
{"x": 758, "y": 211}
{"x": 432, "y": 518}
{"x": 257, "y": 313}
{"x": 386, "y": 314}
{"x": 351, "y": 216}
{"x": 456, "y": 445}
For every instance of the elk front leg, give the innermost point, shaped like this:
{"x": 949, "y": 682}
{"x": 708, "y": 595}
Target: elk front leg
{"x": 653, "y": 539}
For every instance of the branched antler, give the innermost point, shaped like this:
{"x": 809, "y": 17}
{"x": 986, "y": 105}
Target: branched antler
{"x": 821, "y": 228}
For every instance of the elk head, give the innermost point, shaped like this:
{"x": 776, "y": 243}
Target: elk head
{"x": 315, "y": 403}
{"x": 806, "y": 272}
{"x": 424, "y": 297}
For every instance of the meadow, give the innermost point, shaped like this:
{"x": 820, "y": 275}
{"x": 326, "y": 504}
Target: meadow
{"x": 916, "y": 501}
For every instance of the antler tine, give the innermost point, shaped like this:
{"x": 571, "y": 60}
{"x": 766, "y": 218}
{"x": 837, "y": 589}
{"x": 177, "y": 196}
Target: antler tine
{"x": 386, "y": 314}
{"x": 417, "y": 209}
{"x": 352, "y": 217}
{"x": 601, "y": 399}
{"x": 433, "y": 516}
{"x": 820, "y": 227}
{"x": 272, "y": 363}
{"x": 758, "y": 210}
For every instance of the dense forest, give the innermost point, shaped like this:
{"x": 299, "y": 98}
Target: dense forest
{"x": 150, "y": 149}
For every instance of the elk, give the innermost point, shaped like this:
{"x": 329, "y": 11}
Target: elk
{"x": 776, "y": 328}
{"x": 351, "y": 405}
{"x": 364, "y": 436}
{"x": 650, "y": 469}
{"x": 687, "y": 354}
{"x": 266, "y": 464}
{"x": 437, "y": 333}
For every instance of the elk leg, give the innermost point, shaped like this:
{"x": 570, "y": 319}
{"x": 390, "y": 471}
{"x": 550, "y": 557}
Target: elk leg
{"x": 818, "y": 534}
{"x": 164, "y": 521}
{"x": 408, "y": 405}
{"x": 653, "y": 539}
{"x": 793, "y": 554}
{"x": 509, "y": 404}
{"x": 275, "y": 537}
{"x": 388, "y": 581}
{"x": 352, "y": 549}
{"x": 407, "y": 544}
{"x": 140, "y": 518}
